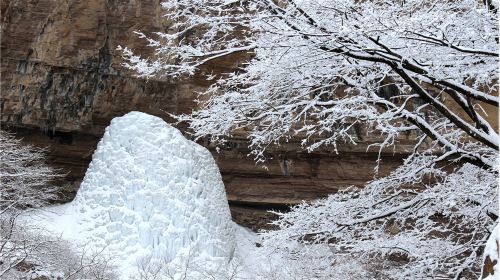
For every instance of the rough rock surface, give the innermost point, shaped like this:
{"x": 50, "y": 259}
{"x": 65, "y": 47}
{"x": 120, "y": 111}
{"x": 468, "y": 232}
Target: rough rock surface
{"x": 62, "y": 83}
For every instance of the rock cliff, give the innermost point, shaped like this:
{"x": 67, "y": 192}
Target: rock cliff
{"x": 62, "y": 82}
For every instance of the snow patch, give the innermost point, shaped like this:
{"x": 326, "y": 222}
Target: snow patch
{"x": 492, "y": 251}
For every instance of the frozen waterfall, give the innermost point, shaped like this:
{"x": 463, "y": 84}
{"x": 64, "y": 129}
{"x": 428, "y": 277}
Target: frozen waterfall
{"x": 151, "y": 193}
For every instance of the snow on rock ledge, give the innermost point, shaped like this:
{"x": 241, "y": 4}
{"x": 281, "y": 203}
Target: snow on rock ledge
{"x": 149, "y": 192}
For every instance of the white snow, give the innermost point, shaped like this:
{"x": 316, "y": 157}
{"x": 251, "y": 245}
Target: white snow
{"x": 492, "y": 251}
{"x": 149, "y": 193}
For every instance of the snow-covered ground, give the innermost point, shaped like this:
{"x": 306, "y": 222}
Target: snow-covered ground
{"x": 151, "y": 198}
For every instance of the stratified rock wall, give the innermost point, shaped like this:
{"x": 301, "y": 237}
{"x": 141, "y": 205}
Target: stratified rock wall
{"x": 62, "y": 82}
{"x": 60, "y": 70}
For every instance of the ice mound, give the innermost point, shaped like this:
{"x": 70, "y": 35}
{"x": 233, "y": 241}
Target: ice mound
{"x": 149, "y": 192}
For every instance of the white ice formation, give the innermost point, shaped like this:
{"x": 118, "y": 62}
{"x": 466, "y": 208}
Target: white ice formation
{"x": 151, "y": 192}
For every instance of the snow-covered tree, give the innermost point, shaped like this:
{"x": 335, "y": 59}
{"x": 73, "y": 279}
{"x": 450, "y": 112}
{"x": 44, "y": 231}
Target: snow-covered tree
{"x": 25, "y": 184}
{"x": 28, "y": 251}
{"x": 319, "y": 69}
{"x": 25, "y": 177}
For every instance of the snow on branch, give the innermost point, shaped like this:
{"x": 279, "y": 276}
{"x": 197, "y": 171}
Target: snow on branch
{"x": 388, "y": 69}
{"x": 436, "y": 230}
{"x": 319, "y": 65}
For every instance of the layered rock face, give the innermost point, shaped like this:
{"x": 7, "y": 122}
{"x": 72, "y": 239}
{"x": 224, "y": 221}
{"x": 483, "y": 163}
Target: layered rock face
{"x": 62, "y": 83}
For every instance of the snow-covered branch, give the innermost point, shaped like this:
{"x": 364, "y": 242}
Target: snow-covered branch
{"x": 331, "y": 72}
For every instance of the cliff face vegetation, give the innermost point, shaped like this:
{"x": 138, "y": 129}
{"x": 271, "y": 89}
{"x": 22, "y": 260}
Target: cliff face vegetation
{"x": 62, "y": 83}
